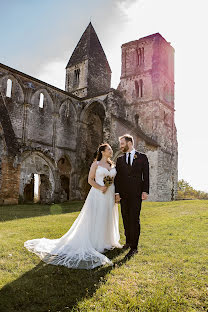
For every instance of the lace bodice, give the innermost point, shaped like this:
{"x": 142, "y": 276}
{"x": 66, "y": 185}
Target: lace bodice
{"x": 102, "y": 172}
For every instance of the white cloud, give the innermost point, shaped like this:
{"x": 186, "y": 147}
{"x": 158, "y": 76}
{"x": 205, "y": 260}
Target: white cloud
{"x": 53, "y": 73}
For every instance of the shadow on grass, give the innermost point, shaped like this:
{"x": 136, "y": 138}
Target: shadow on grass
{"x": 54, "y": 288}
{"x": 13, "y": 212}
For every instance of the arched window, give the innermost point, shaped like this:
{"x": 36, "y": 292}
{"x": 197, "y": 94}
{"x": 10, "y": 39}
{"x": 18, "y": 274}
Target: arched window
{"x": 67, "y": 111}
{"x": 41, "y": 100}
{"x": 137, "y": 88}
{"x": 140, "y": 56}
{"x": 165, "y": 117}
{"x": 9, "y": 88}
{"x": 136, "y": 118}
{"x": 68, "y": 80}
{"x": 76, "y": 77}
{"x": 141, "y": 87}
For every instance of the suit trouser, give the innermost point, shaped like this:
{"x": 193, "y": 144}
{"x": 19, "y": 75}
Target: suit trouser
{"x": 130, "y": 210}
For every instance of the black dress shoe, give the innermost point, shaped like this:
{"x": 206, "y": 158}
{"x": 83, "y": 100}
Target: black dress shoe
{"x": 126, "y": 246}
{"x": 131, "y": 253}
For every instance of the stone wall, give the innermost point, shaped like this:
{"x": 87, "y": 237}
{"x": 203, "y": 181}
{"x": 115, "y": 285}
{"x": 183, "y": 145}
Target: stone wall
{"x": 10, "y": 177}
{"x": 39, "y": 164}
{"x": 2, "y": 147}
{"x": 45, "y": 134}
{"x": 9, "y": 171}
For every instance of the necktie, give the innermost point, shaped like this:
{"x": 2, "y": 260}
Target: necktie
{"x": 129, "y": 159}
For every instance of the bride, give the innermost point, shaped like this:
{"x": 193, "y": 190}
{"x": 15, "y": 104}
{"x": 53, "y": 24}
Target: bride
{"x": 95, "y": 229}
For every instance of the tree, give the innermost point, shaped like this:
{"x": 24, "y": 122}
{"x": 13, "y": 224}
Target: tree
{"x": 186, "y": 191}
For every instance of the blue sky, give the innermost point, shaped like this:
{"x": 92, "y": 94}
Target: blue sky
{"x": 38, "y": 37}
{"x": 35, "y": 32}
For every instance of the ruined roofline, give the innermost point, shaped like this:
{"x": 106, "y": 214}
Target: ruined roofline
{"x": 146, "y": 37}
{"x": 137, "y": 130}
{"x": 100, "y": 94}
{"x": 96, "y": 95}
{"x": 39, "y": 81}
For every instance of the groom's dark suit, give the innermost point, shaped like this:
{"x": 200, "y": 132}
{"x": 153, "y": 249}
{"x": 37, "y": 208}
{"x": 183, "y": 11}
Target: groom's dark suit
{"x": 130, "y": 182}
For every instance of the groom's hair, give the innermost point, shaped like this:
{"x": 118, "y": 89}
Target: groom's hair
{"x": 127, "y": 137}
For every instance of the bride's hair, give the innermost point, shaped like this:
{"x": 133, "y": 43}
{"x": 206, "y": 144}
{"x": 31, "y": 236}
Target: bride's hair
{"x": 98, "y": 155}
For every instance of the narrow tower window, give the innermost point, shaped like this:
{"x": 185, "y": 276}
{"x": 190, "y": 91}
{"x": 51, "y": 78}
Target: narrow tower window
{"x": 136, "y": 118}
{"x": 67, "y": 111}
{"x": 9, "y": 88}
{"x": 76, "y": 77}
{"x": 41, "y": 100}
{"x": 140, "y": 56}
{"x": 141, "y": 87}
{"x": 137, "y": 88}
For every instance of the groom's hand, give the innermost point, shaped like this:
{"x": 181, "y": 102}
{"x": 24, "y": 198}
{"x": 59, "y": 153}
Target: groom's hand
{"x": 117, "y": 198}
{"x": 144, "y": 195}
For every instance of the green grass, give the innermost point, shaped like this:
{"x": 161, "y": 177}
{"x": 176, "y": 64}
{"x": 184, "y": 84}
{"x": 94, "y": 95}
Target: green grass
{"x": 170, "y": 272}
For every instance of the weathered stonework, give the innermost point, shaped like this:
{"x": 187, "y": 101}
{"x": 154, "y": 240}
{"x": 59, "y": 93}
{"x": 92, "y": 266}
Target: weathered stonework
{"x": 88, "y": 72}
{"x": 54, "y": 144}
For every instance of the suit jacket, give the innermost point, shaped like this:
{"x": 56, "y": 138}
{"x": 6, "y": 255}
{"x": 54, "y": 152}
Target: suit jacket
{"x": 132, "y": 180}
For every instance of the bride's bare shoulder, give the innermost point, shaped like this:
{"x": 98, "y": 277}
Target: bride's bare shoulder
{"x": 94, "y": 164}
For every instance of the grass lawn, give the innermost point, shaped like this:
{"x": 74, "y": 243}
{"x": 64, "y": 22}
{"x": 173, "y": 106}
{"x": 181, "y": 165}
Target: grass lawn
{"x": 170, "y": 272}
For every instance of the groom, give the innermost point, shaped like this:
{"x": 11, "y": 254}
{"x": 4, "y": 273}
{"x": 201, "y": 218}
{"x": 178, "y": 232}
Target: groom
{"x": 131, "y": 187}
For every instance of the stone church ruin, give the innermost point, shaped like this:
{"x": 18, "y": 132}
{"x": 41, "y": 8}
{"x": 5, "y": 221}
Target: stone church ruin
{"x": 48, "y": 136}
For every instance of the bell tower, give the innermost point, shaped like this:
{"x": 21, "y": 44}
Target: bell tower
{"x": 147, "y": 71}
{"x": 147, "y": 82}
{"x": 88, "y": 72}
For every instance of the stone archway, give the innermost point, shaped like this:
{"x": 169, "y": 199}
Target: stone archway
{"x": 64, "y": 169}
{"x": 40, "y": 116}
{"x": 66, "y": 125}
{"x": 37, "y": 183}
{"x": 91, "y": 135}
{"x": 92, "y": 120}
{"x": 65, "y": 185}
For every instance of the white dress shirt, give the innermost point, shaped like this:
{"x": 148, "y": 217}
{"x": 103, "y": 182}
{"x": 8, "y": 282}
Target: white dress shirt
{"x": 131, "y": 156}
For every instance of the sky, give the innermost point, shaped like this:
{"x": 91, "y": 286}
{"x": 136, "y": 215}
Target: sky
{"x": 39, "y": 36}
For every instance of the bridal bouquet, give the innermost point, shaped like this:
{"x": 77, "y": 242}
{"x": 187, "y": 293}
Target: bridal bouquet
{"x": 107, "y": 180}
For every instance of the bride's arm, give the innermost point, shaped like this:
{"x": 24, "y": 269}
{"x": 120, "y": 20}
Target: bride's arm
{"x": 91, "y": 177}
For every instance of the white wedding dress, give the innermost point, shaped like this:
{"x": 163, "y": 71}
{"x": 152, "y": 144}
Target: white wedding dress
{"x": 95, "y": 229}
